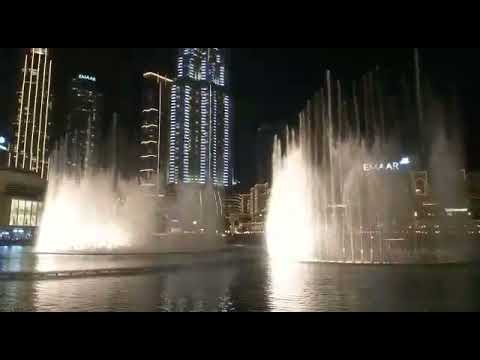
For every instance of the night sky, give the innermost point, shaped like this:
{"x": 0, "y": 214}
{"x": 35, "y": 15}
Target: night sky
{"x": 269, "y": 85}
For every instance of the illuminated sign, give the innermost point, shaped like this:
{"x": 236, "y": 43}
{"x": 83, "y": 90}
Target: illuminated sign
{"x": 87, "y": 77}
{"x": 387, "y": 166}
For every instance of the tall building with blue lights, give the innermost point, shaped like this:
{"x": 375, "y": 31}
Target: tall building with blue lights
{"x": 201, "y": 125}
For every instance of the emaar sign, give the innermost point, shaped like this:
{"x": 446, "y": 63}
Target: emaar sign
{"x": 393, "y": 166}
{"x": 87, "y": 77}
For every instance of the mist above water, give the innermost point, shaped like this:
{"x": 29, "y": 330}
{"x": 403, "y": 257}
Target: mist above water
{"x": 93, "y": 212}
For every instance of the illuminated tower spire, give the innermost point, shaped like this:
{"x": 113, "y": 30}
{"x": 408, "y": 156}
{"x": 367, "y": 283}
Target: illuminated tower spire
{"x": 32, "y": 123}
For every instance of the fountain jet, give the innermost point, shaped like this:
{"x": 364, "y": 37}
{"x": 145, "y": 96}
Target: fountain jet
{"x": 342, "y": 182}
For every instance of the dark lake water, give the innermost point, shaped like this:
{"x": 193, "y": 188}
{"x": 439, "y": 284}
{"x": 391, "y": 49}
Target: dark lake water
{"x": 245, "y": 281}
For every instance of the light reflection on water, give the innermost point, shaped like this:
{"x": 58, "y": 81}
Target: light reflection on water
{"x": 254, "y": 285}
{"x": 14, "y": 259}
{"x": 192, "y": 291}
{"x": 18, "y": 259}
{"x": 300, "y": 286}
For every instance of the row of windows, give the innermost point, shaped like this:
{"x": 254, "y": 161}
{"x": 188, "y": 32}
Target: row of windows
{"x": 25, "y": 213}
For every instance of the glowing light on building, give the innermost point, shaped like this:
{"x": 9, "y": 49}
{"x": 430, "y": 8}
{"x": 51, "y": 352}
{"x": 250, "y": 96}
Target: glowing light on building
{"x": 400, "y": 165}
{"x": 3, "y": 144}
{"x": 87, "y": 77}
{"x": 405, "y": 161}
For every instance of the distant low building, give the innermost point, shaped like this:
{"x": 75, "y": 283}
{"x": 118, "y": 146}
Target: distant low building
{"x": 247, "y": 213}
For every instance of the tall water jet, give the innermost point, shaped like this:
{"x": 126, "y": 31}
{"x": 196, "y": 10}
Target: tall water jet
{"x": 81, "y": 215}
{"x": 94, "y": 210}
{"x": 294, "y": 191}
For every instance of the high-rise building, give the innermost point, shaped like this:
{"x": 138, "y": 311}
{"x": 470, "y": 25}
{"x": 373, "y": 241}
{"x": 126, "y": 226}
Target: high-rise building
{"x": 29, "y": 150}
{"x": 154, "y": 131}
{"x": 259, "y": 196}
{"x": 201, "y": 123}
{"x": 84, "y": 124}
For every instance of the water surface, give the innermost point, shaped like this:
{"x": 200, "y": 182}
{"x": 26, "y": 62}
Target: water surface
{"x": 247, "y": 282}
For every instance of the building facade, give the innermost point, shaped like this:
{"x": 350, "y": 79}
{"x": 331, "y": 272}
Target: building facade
{"x": 84, "y": 124}
{"x": 29, "y": 151}
{"x": 22, "y": 195}
{"x": 247, "y": 213}
{"x": 201, "y": 150}
{"x": 259, "y": 196}
{"x": 232, "y": 204}
{"x": 154, "y": 131}
{"x": 245, "y": 204}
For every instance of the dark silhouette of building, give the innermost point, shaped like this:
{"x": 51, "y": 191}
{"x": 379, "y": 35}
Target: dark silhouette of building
{"x": 84, "y": 124}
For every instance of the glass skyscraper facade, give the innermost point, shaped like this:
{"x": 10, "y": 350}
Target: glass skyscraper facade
{"x": 31, "y": 126}
{"x": 84, "y": 124}
{"x": 201, "y": 124}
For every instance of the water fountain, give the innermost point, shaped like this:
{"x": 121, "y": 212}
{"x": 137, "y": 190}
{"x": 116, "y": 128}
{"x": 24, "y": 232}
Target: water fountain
{"x": 343, "y": 188}
{"x": 94, "y": 211}
{"x": 91, "y": 210}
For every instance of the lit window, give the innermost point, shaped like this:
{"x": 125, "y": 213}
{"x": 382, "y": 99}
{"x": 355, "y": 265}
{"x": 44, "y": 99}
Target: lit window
{"x": 25, "y": 213}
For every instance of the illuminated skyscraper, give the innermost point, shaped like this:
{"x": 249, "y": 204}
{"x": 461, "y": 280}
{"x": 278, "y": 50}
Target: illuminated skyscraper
{"x": 84, "y": 124}
{"x": 201, "y": 123}
{"x": 154, "y": 128}
{"x": 31, "y": 126}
